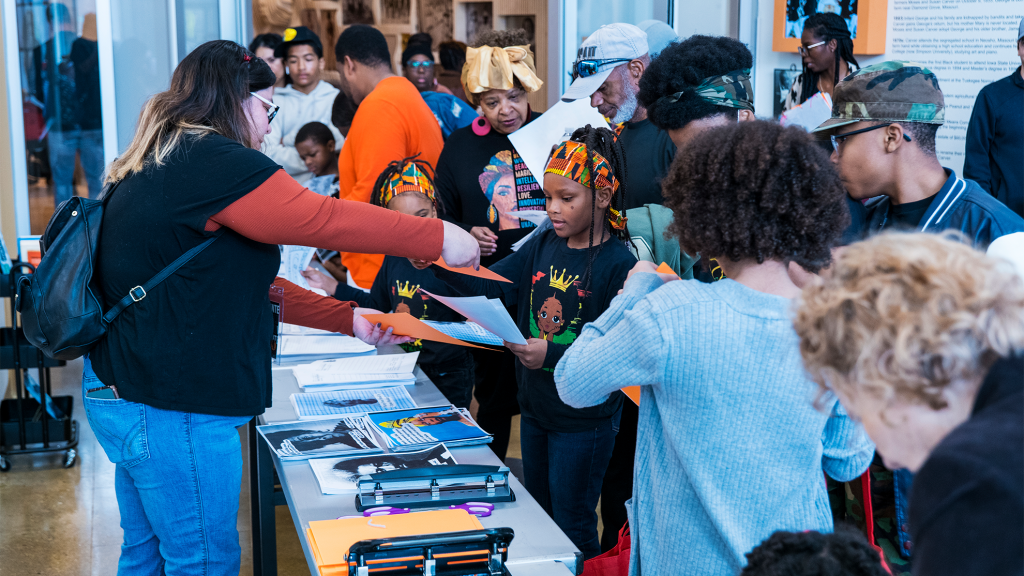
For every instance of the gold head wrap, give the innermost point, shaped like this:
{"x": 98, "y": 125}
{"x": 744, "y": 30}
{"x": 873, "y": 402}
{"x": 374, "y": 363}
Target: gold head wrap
{"x": 493, "y": 68}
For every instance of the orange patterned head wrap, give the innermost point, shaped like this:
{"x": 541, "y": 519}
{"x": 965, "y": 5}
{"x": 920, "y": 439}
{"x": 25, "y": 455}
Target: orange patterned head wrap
{"x": 570, "y": 160}
{"x": 406, "y": 175}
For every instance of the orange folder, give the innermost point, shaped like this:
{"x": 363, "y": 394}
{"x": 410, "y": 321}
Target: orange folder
{"x": 330, "y": 539}
{"x": 406, "y": 325}
{"x": 481, "y": 273}
{"x": 664, "y": 268}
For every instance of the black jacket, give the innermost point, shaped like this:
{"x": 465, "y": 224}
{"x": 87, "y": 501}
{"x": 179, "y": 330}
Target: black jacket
{"x": 967, "y": 503}
{"x": 995, "y": 141}
{"x": 960, "y": 205}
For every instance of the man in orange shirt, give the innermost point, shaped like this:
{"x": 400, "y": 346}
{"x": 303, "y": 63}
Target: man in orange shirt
{"x": 392, "y": 122}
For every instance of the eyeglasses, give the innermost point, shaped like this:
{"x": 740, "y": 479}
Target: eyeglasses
{"x": 272, "y": 108}
{"x": 838, "y": 139}
{"x": 414, "y": 64}
{"x": 586, "y": 68}
{"x": 805, "y": 51}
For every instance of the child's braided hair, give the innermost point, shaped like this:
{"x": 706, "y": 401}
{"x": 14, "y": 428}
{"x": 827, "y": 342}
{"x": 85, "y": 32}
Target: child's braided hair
{"x": 397, "y": 167}
{"x": 604, "y": 142}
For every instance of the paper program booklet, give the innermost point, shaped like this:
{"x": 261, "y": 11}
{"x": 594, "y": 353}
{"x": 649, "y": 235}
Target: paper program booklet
{"x": 339, "y": 475}
{"x": 405, "y": 430}
{"x": 348, "y": 435}
{"x": 317, "y": 405}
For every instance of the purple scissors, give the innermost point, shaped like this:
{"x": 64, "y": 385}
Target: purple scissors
{"x": 385, "y": 511}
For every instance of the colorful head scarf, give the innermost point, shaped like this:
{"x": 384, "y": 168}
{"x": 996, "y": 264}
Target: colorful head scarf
{"x": 493, "y": 68}
{"x": 411, "y": 178}
{"x": 570, "y": 161}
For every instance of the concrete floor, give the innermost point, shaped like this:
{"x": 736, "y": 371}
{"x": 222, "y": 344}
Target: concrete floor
{"x": 65, "y": 522}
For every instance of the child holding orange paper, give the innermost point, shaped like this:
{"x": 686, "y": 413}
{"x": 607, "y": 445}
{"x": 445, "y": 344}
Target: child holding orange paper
{"x": 562, "y": 279}
{"x": 407, "y": 186}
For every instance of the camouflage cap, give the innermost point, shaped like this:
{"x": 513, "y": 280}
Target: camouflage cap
{"x": 892, "y": 91}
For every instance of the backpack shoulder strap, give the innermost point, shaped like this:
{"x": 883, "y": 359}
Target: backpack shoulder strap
{"x": 139, "y": 292}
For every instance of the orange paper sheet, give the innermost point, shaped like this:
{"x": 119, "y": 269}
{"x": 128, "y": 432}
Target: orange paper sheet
{"x": 406, "y": 325}
{"x": 664, "y": 268}
{"x": 330, "y": 539}
{"x": 633, "y": 392}
{"x": 482, "y": 273}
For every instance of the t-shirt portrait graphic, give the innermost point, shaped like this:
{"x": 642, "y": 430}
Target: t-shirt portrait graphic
{"x": 506, "y": 192}
{"x": 410, "y": 301}
{"x": 556, "y": 302}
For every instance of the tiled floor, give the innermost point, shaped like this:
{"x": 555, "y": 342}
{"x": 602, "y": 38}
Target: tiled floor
{"x": 64, "y": 522}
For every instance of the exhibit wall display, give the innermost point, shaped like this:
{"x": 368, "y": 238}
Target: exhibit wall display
{"x": 865, "y": 18}
{"x": 966, "y": 43}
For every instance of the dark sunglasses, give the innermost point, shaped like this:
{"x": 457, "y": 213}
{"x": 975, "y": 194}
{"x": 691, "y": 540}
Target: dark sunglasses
{"x": 586, "y": 68}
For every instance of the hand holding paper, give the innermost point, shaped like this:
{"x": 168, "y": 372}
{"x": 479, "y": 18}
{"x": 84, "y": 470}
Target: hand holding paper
{"x": 481, "y": 273}
{"x": 491, "y": 314}
{"x": 405, "y": 325}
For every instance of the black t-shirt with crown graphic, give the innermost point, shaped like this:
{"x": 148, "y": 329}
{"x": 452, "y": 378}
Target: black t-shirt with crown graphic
{"x": 553, "y": 303}
{"x": 399, "y": 287}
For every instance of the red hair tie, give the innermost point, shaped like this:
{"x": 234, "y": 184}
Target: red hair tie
{"x": 246, "y": 58}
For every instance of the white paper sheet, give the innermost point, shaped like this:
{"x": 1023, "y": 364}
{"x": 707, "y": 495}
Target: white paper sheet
{"x": 387, "y": 364}
{"x": 295, "y": 259}
{"x": 315, "y": 345}
{"x": 491, "y": 314}
{"x": 534, "y": 141}
{"x": 810, "y": 114}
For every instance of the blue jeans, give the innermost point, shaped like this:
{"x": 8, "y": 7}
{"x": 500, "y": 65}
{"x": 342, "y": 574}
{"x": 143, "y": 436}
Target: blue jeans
{"x": 62, "y": 147}
{"x": 564, "y": 472}
{"x": 177, "y": 482}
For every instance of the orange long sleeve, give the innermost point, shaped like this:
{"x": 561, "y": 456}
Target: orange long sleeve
{"x": 306, "y": 308}
{"x": 281, "y": 211}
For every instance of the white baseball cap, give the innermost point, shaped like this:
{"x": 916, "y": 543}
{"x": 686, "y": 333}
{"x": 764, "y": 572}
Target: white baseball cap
{"x": 612, "y": 45}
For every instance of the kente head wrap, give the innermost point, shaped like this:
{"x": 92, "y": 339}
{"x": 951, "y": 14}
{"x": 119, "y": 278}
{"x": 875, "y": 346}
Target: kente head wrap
{"x": 409, "y": 178}
{"x": 493, "y": 68}
{"x": 570, "y": 161}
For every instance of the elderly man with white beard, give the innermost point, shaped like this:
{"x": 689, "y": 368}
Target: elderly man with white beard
{"x": 608, "y": 69}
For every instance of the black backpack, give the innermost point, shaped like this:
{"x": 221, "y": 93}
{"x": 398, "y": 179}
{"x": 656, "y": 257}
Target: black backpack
{"x": 60, "y": 310}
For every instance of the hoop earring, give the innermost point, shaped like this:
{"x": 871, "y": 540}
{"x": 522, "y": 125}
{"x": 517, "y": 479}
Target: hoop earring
{"x": 481, "y": 127}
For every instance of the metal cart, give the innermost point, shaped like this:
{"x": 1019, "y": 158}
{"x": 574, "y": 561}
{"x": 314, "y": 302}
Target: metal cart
{"x": 26, "y": 427}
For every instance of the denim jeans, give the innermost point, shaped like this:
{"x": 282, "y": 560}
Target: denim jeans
{"x": 177, "y": 482}
{"x": 564, "y": 472}
{"x": 62, "y": 148}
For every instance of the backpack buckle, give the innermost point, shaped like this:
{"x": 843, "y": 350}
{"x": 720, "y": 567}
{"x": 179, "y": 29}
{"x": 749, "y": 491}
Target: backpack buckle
{"x": 137, "y": 293}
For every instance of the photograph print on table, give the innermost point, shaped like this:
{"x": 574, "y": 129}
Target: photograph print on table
{"x": 317, "y": 405}
{"x": 308, "y": 438}
{"x": 341, "y": 475}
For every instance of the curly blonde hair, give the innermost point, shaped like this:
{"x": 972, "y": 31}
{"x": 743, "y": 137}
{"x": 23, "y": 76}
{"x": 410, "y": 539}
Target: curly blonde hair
{"x": 909, "y": 315}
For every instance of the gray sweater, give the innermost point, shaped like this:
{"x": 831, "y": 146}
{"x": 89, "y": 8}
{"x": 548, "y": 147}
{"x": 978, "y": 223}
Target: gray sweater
{"x": 730, "y": 447}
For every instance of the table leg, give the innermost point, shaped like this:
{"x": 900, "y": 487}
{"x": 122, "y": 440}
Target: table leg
{"x": 261, "y": 491}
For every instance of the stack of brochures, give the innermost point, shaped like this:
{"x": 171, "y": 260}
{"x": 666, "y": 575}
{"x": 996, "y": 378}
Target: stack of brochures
{"x": 341, "y": 475}
{"x": 318, "y": 405}
{"x": 406, "y": 430}
{"x": 357, "y": 373}
{"x": 348, "y": 435}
